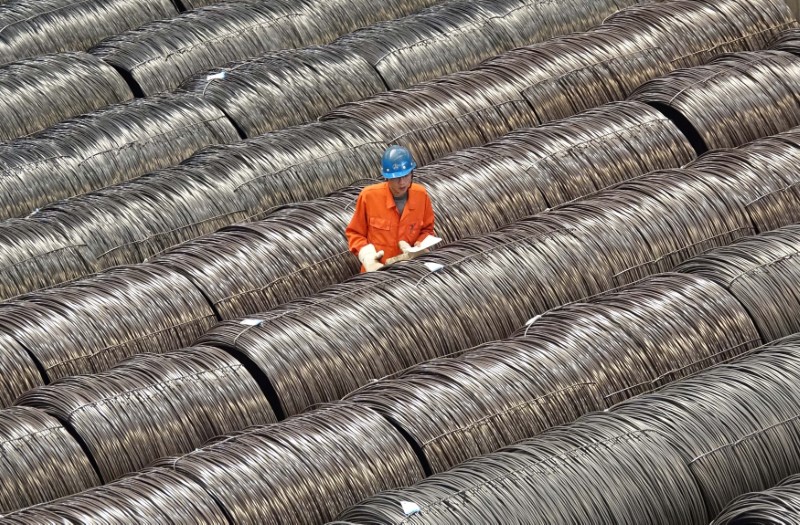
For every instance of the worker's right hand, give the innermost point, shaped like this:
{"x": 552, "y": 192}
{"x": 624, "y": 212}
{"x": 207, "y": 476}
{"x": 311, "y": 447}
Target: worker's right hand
{"x": 370, "y": 258}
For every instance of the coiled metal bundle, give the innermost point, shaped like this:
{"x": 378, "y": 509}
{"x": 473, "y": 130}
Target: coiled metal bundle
{"x": 761, "y": 273}
{"x": 97, "y": 322}
{"x": 758, "y": 90}
{"x": 18, "y": 369}
{"x": 573, "y": 360}
{"x": 489, "y": 286}
{"x": 41, "y": 461}
{"x": 152, "y": 496}
{"x": 302, "y": 470}
{"x": 39, "y": 92}
{"x": 672, "y": 457}
{"x": 778, "y": 505}
{"x": 287, "y": 88}
{"x": 106, "y": 147}
{"x": 30, "y": 28}
{"x": 33, "y": 256}
{"x": 161, "y": 55}
{"x": 787, "y": 41}
{"x": 459, "y": 35}
{"x": 153, "y": 406}
{"x": 247, "y": 269}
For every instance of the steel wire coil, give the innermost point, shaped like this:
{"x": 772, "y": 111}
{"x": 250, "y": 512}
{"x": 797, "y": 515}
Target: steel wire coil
{"x": 153, "y": 496}
{"x": 252, "y": 268}
{"x": 151, "y": 406}
{"x": 760, "y": 103}
{"x": 161, "y": 55}
{"x": 489, "y": 286}
{"x": 20, "y": 371}
{"x": 32, "y": 28}
{"x": 573, "y": 360}
{"x": 724, "y": 432}
{"x": 287, "y": 88}
{"x": 97, "y": 322}
{"x": 459, "y": 35}
{"x": 761, "y": 273}
{"x": 779, "y": 505}
{"x": 302, "y": 470}
{"x": 106, "y": 147}
{"x": 41, "y": 460}
{"x": 39, "y": 92}
{"x": 787, "y": 41}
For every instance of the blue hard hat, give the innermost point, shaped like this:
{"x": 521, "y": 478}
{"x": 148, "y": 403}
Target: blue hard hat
{"x": 397, "y": 162}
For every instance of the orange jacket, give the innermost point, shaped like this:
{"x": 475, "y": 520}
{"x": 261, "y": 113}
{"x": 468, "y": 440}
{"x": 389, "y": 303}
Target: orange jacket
{"x": 377, "y": 222}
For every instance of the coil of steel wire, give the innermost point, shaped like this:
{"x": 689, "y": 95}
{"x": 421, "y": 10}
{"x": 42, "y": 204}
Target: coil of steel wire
{"x": 151, "y": 496}
{"x": 787, "y": 41}
{"x": 20, "y": 372}
{"x": 779, "y": 505}
{"x": 692, "y": 98}
{"x": 761, "y": 273}
{"x": 161, "y": 55}
{"x": 672, "y": 457}
{"x": 39, "y": 92}
{"x": 488, "y": 287}
{"x": 106, "y": 147}
{"x": 287, "y": 88}
{"x": 97, "y": 322}
{"x": 41, "y": 461}
{"x": 474, "y": 191}
{"x": 29, "y": 28}
{"x": 302, "y": 470}
{"x": 573, "y": 360}
{"x": 152, "y": 406}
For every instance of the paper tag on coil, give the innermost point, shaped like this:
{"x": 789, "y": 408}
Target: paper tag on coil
{"x": 433, "y": 267}
{"x": 409, "y": 507}
{"x": 533, "y": 319}
{"x": 251, "y": 322}
{"x": 216, "y": 76}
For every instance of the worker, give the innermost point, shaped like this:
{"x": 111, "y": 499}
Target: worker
{"x": 390, "y": 216}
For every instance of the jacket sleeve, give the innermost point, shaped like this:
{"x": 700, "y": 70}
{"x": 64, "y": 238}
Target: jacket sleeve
{"x": 427, "y": 220}
{"x": 356, "y": 231}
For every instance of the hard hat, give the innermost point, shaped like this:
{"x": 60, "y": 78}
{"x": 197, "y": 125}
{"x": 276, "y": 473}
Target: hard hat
{"x": 397, "y": 162}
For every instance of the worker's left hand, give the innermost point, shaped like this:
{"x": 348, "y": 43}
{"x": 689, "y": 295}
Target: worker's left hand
{"x": 405, "y": 256}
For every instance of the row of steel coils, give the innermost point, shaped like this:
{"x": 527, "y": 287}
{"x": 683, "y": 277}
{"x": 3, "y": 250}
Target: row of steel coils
{"x": 490, "y": 285}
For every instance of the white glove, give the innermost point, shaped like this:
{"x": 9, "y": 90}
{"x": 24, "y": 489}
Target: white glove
{"x": 370, "y": 258}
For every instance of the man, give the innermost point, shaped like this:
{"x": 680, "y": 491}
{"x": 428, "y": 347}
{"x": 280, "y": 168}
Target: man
{"x": 390, "y": 216}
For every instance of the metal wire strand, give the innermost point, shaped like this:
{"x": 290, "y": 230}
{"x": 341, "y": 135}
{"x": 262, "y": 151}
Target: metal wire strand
{"x": 104, "y": 148}
{"x": 779, "y": 505}
{"x": 151, "y": 406}
{"x": 97, "y": 322}
{"x": 29, "y": 28}
{"x": 155, "y": 496}
{"x": 570, "y": 361}
{"x": 41, "y": 460}
{"x": 39, "y": 92}
{"x": 161, "y": 55}
{"x": 305, "y": 469}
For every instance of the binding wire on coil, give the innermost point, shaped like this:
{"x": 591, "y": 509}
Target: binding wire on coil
{"x": 161, "y": 55}
{"x": 139, "y": 498}
{"x": 673, "y": 457}
{"x": 571, "y": 361}
{"x": 475, "y": 191}
{"x": 779, "y": 505}
{"x": 760, "y": 273}
{"x": 489, "y": 286}
{"x": 287, "y": 88}
{"x": 105, "y": 148}
{"x": 691, "y": 97}
{"x": 29, "y": 28}
{"x": 94, "y": 323}
{"x": 152, "y": 406}
{"x": 39, "y": 92}
{"x": 41, "y": 460}
{"x": 310, "y": 467}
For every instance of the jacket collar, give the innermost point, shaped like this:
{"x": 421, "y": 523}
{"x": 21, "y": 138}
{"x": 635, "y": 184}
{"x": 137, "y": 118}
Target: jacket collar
{"x": 410, "y": 203}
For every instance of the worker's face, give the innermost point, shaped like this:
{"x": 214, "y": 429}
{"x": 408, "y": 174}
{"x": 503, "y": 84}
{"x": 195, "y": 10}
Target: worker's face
{"x": 399, "y": 186}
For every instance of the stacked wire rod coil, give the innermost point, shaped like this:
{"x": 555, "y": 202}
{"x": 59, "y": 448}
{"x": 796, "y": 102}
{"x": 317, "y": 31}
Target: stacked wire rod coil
{"x": 779, "y": 505}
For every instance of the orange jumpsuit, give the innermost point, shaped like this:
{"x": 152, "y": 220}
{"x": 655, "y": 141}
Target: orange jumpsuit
{"x": 377, "y": 222}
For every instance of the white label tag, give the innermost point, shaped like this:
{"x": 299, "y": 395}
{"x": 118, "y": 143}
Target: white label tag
{"x": 533, "y": 319}
{"x": 216, "y": 76}
{"x": 433, "y": 267}
{"x": 251, "y": 322}
{"x": 409, "y": 507}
